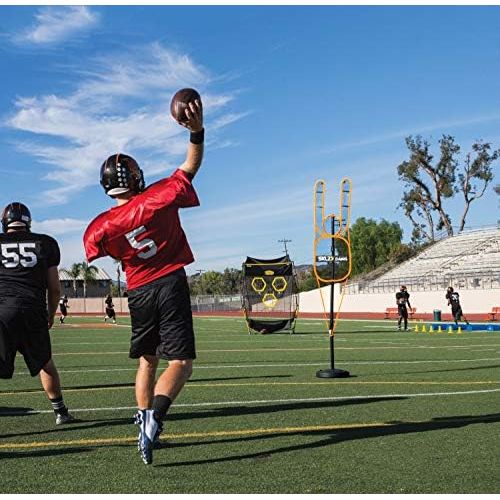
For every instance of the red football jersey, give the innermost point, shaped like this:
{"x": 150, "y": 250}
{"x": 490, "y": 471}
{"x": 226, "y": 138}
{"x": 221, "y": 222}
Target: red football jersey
{"x": 145, "y": 233}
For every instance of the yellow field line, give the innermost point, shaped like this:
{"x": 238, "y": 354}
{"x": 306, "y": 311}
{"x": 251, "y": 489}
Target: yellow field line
{"x": 251, "y": 384}
{"x": 240, "y": 432}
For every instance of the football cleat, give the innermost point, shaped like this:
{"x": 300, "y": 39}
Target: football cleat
{"x": 149, "y": 432}
{"x": 64, "y": 418}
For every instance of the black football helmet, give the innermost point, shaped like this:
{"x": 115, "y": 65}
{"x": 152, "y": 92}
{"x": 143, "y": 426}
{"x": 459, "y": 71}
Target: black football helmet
{"x": 16, "y": 215}
{"x": 121, "y": 173}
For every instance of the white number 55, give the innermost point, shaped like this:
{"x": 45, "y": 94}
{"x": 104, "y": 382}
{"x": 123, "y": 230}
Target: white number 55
{"x": 147, "y": 246}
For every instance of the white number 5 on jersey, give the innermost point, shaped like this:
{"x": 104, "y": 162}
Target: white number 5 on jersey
{"x": 147, "y": 246}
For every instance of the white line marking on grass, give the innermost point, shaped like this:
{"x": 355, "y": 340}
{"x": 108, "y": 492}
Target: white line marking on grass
{"x": 198, "y": 341}
{"x": 265, "y": 401}
{"x": 195, "y": 384}
{"x": 285, "y": 365}
{"x": 286, "y": 349}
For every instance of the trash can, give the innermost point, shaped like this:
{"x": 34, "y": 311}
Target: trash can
{"x": 437, "y": 315}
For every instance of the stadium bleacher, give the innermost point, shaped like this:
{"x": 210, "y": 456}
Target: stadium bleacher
{"x": 469, "y": 260}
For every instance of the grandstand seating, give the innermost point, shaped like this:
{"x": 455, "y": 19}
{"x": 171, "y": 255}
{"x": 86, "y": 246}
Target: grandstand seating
{"x": 469, "y": 260}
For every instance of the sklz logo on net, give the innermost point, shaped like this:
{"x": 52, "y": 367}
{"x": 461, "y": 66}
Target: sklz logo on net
{"x": 18, "y": 254}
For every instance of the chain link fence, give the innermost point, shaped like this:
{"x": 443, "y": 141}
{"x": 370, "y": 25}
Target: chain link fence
{"x": 215, "y": 303}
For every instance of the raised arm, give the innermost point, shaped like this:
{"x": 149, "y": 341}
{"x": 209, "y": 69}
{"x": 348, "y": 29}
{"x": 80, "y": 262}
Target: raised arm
{"x": 194, "y": 124}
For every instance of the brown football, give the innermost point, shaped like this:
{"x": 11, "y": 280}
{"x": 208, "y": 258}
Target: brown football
{"x": 180, "y": 102}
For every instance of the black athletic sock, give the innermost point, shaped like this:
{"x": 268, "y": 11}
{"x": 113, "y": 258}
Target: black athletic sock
{"x": 406, "y": 324}
{"x": 160, "y": 406}
{"x": 58, "y": 406}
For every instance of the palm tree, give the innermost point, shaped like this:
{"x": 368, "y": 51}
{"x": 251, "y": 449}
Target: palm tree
{"x": 88, "y": 274}
{"x": 74, "y": 273}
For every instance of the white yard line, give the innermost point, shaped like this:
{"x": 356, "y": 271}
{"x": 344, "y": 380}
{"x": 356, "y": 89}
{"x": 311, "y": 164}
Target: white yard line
{"x": 267, "y": 401}
{"x": 290, "y": 349}
{"x": 283, "y": 365}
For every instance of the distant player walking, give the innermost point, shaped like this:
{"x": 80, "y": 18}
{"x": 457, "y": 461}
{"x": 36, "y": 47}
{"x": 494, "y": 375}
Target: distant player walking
{"x": 453, "y": 299}
{"x": 402, "y": 300}
{"x": 63, "y": 308}
{"x": 28, "y": 277}
{"x": 110, "y": 309}
{"x": 143, "y": 231}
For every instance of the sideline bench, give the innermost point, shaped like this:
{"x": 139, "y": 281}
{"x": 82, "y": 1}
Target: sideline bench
{"x": 492, "y": 315}
{"x": 393, "y": 312}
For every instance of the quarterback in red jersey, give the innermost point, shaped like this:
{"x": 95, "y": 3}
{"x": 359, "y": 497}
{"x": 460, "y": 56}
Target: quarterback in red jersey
{"x": 143, "y": 231}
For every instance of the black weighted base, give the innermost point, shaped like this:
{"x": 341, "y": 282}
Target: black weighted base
{"x": 335, "y": 373}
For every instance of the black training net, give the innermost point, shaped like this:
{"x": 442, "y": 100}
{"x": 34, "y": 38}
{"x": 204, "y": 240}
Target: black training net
{"x": 270, "y": 299}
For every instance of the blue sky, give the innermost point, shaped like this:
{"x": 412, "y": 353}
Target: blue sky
{"x": 291, "y": 94}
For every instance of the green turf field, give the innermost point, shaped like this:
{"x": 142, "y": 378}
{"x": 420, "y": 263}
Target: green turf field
{"x": 420, "y": 414}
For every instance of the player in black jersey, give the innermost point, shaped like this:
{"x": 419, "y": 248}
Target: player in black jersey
{"x": 402, "y": 299}
{"x": 110, "y": 309}
{"x": 28, "y": 276}
{"x": 456, "y": 309}
{"x": 63, "y": 308}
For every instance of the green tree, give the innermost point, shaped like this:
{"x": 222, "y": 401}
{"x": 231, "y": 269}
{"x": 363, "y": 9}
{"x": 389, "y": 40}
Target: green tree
{"x": 476, "y": 176}
{"x": 74, "y": 273}
{"x": 306, "y": 280}
{"x": 88, "y": 273}
{"x": 428, "y": 183}
{"x": 216, "y": 283}
{"x": 210, "y": 283}
{"x": 231, "y": 281}
{"x": 373, "y": 243}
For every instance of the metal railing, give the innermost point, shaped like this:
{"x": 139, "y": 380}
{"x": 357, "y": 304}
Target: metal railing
{"x": 484, "y": 280}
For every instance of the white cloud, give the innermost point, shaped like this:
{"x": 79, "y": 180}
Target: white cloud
{"x": 57, "y": 24}
{"x": 411, "y": 130}
{"x": 57, "y": 227}
{"x": 120, "y": 104}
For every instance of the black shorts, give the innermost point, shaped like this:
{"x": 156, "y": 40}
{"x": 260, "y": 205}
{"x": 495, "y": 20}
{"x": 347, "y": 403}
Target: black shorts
{"x": 110, "y": 312}
{"x": 162, "y": 322}
{"x": 25, "y": 331}
{"x": 402, "y": 311}
{"x": 456, "y": 312}
{"x": 63, "y": 310}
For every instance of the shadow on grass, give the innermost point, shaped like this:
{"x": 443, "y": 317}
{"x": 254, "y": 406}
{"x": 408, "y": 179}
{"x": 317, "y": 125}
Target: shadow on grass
{"x": 41, "y": 453}
{"x": 15, "y": 411}
{"x": 74, "y": 427}
{"x": 255, "y": 409}
{"x": 230, "y": 411}
{"x": 235, "y": 378}
{"x": 331, "y": 437}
